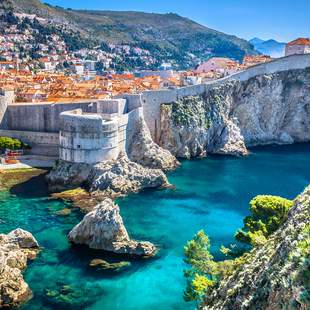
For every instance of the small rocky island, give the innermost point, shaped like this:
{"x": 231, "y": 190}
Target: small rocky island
{"x": 103, "y": 229}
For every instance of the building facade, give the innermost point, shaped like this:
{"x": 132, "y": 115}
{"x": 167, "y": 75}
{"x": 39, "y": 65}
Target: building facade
{"x": 297, "y": 47}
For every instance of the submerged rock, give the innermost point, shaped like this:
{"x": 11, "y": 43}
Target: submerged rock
{"x": 65, "y": 296}
{"x": 15, "y": 249}
{"x": 103, "y": 229}
{"x": 64, "y": 212}
{"x": 104, "y": 265}
{"x": 275, "y": 275}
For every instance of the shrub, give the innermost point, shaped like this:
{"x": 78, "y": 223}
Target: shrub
{"x": 268, "y": 213}
{"x": 12, "y": 144}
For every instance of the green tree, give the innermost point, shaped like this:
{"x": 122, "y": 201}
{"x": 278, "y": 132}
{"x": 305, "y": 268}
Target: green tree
{"x": 268, "y": 213}
{"x": 12, "y": 144}
{"x": 201, "y": 277}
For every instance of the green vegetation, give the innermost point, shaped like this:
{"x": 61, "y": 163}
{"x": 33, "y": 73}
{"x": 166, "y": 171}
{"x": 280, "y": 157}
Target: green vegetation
{"x": 205, "y": 273}
{"x": 189, "y": 111}
{"x": 12, "y": 144}
{"x": 268, "y": 213}
{"x": 168, "y": 37}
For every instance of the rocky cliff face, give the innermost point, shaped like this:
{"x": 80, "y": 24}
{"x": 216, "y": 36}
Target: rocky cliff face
{"x": 265, "y": 109}
{"x": 103, "y": 229}
{"x": 276, "y": 274}
{"x": 144, "y": 151}
{"x": 15, "y": 249}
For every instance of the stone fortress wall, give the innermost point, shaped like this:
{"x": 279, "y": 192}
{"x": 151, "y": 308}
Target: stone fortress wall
{"x": 99, "y": 135}
{"x": 39, "y": 123}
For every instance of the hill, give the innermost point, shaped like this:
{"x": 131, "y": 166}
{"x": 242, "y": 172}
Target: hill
{"x": 168, "y": 37}
{"x": 270, "y": 47}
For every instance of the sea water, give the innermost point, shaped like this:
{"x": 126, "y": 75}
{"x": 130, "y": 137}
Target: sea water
{"x": 210, "y": 194}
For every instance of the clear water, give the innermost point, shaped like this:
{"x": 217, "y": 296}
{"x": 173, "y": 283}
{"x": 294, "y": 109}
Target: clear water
{"x": 211, "y": 193}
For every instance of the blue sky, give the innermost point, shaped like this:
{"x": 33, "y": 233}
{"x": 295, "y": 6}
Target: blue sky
{"x": 282, "y": 20}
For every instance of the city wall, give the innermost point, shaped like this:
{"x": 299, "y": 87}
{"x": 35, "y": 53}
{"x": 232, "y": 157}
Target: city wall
{"x": 45, "y": 118}
{"x": 152, "y": 100}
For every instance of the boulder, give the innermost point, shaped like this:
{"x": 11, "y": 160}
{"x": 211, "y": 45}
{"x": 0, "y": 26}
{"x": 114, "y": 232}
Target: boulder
{"x": 15, "y": 249}
{"x": 103, "y": 229}
{"x": 122, "y": 176}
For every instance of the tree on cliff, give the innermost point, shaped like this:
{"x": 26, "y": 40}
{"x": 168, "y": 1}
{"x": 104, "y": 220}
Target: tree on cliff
{"x": 268, "y": 213}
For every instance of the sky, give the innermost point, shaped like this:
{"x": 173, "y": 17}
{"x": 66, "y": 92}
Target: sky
{"x": 282, "y": 20}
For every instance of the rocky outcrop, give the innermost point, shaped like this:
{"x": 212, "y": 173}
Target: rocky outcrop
{"x": 144, "y": 151}
{"x": 109, "y": 179}
{"x": 103, "y": 229}
{"x": 65, "y": 176}
{"x": 15, "y": 249}
{"x": 233, "y": 115}
{"x": 121, "y": 177}
{"x": 276, "y": 274}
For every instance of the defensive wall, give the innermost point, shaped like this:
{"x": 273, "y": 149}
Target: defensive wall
{"x": 152, "y": 100}
{"x": 36, "y": 123}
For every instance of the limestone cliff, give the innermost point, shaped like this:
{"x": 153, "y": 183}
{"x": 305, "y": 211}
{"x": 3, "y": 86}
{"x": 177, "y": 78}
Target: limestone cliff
{"x": 16, "y": 248}
{"x": 232, "y": 115}
{"x": 144, "y": 151}
{"x": 276, "y": 274}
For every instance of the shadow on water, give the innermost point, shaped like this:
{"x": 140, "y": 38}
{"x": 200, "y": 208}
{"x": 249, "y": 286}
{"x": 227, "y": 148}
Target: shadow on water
{"x": 34, "y": 187}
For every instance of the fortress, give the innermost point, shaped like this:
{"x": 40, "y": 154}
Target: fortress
{"x": 92, "y": 131}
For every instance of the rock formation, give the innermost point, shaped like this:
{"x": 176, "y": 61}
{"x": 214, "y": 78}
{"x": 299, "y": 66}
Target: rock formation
{"x": 121, "y": 177}
{"x": 276, "y": 274}
{"x": 103, "y": 229}
{"x": 112, "y": 178}
{"x": 144, "y": 151}
{"x": 15, "y": 249}
{"x": 233, "y": 115}
{"x": 65, "y": 175}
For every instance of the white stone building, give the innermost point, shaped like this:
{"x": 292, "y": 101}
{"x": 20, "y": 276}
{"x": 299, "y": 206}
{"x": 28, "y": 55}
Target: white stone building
{"x": 298, "y": 46}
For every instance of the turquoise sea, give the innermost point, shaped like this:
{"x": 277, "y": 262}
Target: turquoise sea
{"x": 210, "y": 194}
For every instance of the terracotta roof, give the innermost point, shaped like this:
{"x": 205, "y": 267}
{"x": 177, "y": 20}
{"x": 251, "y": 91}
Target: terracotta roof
{"x": 300, "y": 41}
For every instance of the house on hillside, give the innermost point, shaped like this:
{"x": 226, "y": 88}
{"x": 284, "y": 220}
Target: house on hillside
{"x": 298, "y": 46}
{"x": 219, "y": 65}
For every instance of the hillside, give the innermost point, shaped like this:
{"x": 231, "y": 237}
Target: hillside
{"x": 270, "y": 47}
{"x": 169, "y": 37}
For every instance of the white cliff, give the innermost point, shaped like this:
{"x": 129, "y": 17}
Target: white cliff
{"x": 233, "y": 115}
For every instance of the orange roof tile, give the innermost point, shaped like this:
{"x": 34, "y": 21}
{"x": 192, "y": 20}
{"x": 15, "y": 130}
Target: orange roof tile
{"x": 300, "y": 41}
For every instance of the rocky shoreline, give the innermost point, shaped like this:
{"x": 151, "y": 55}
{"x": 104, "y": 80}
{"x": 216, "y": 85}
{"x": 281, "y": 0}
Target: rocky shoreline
{"x": 16, "y": 248}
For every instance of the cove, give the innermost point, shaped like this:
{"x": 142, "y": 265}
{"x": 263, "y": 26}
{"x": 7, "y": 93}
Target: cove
{"x": 210, "y": 194}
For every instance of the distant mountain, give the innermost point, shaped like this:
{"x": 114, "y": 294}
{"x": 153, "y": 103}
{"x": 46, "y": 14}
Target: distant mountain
{"x": 270, "y": 47}
{"x": 169, "y": 37}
